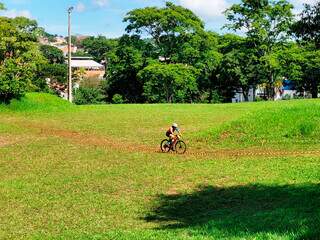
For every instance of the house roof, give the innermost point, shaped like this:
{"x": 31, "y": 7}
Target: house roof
{"x": 85, "y": 64}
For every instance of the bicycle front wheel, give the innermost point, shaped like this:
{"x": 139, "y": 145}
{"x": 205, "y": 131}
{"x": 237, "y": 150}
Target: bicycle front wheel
{"x": 165, "y": 146}
{"x": 181, "y": 147}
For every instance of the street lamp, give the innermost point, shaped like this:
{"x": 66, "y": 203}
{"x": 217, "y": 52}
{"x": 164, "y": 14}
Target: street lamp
{"x": 69, "y": 56}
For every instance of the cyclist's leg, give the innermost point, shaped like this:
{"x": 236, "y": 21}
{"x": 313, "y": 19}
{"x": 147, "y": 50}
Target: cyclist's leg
{"x": 172, "y": 139}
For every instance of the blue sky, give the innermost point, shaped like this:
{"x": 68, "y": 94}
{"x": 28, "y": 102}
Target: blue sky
{"x": 104, "y": 17}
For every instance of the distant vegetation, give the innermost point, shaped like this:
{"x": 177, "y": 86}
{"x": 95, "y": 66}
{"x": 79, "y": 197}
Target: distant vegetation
{"x": 275, "y": 45}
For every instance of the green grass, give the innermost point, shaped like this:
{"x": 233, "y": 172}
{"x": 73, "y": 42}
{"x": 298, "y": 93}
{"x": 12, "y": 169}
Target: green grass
{"x": 69, "y": 184}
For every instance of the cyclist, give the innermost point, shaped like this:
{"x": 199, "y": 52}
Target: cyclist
{"x": 170, "y": 133}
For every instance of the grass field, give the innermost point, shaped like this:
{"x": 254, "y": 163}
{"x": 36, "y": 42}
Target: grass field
{"x": 95, "y": 172}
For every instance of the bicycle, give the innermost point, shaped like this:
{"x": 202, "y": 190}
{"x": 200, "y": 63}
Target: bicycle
{"x": 179, "y": 147}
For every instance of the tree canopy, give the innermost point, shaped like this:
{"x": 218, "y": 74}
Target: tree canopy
{"x": 52, "y": 54}
{"x": 308, "y": 26}
{"x": 20, "y": 57}
{"x": 167, "y": 55}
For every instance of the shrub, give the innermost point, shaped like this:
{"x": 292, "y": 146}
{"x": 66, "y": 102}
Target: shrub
{"x": 286, "y": 97}
{"x": 204, "y": 97}
{"x": 14, "y": 80}
{"x": 56, "y": 72}
{"x": 210, "y": 97}
{"x": 216, "y": 97}
{"x": 87, "y": 95}
{"x": 117, "y": 99}
{"x": 307, "y": 128}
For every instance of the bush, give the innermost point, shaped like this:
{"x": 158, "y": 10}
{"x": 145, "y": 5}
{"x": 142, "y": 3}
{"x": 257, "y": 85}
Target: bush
{"x": 260, "y": 99}
{"x": 207, "y": 97}
{"x": 216, "y": 97}
{"x": 204, "y": 97}
{"x": 307, "y": 128}
{"x": 87, "y": 95}
{"x": 56, "y": 72}
{"x": 117, "y": 99}
{"x": 14, "y": 80}
{"x": 286, "y": 97}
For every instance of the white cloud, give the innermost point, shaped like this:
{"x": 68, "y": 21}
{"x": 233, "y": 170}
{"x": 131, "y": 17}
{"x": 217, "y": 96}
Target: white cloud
{"x": 306, "y": 1}
{"x": 16, "y": 13}
{"x": 298, "y": 5}
{"x": 207, "y": 9}
{"x": 100, "y": 3}
{"x": 80, "y": 7}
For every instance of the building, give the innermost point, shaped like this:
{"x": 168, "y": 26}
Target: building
{"x": 239, "y": 96}
{"x": 93, "y": 70}
{"x": 65, "y": 50}
{"x": 285, "y": 90}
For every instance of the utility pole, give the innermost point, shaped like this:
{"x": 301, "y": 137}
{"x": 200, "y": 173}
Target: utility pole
{"x": 69, "y": 56}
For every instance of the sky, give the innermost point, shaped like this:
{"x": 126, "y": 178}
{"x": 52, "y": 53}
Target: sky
{"x": 104, "y": 17}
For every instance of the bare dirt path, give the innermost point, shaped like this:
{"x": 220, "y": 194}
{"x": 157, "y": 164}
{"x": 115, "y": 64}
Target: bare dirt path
{"x": 110, "y": 143}
{"x": 8, "y": 140}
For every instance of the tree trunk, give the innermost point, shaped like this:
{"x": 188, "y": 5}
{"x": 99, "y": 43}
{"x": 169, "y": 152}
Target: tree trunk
{"x": 245, "y": 92}
{"x": 314, "y": 87}
{"x": 271, "y": 87}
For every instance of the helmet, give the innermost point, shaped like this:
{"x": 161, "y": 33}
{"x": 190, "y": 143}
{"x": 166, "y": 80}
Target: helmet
{"x": 175, "y": 125}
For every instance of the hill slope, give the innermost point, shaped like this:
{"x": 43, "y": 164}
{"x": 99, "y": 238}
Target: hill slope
{"x": 95, "y": 172}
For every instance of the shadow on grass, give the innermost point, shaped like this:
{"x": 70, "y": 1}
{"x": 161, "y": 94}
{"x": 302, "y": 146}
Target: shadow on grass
{"x": 290, "y": 210}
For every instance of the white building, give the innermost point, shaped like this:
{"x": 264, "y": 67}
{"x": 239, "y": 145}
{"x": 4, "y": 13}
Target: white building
{"x": 92, "y": 69}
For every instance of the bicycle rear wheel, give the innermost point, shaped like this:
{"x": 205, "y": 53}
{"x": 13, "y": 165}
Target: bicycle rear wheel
{"x": 165, "y": 145}
{"x": 181, "y": 147}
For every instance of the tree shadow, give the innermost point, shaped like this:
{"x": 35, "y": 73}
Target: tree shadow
{"x": 243, "y": 210}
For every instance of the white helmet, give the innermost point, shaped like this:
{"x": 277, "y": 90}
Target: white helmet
{"x": 175, "y": 125}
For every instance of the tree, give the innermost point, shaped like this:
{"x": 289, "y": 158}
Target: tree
{"x": 130, "y": 56}
{"x": 14, "y": 79}
{"x": 52, "y": 54}
{"x": 178, "y": 36}
{"x": 78, "y": 75}
{"x": 99, "y": 46}
{"x": 81, "y": 53}
{"x": 56, "y": 72}
{"x": 266, "y": 24}
{"x": 236, "y": 73}
{"x": 88, "y": 95}
{"x": 74, "y": 40}
{"x": 292, "y": 59}
{"x": 308, "y": 26}
{"x": 166, "y": 26}
{"x": 20, "y": 57}
{"x": 171, "y": 83}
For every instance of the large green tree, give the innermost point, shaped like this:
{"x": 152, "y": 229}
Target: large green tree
{"x": 169, "y": 27}
{"x": 99, "y": 46}
{"x": 178, "y": 36}
{"x": 169, "y": 83}
{"x": 308, "y": 26}
{"x": 52, "y": 54}
{"x": 266, "y": 25}
{"x": 307, "y": 29}
{"x": 20, "y": 57}
{"x": 130, "y": 56}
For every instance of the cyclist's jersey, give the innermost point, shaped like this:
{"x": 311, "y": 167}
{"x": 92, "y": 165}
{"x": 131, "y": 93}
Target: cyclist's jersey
{"x": 171, "y": 131}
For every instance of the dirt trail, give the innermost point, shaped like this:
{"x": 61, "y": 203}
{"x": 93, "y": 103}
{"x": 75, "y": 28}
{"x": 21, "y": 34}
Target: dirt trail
{"x": 99, "y": 141}
{"x": 94, "y": 140}
{"x": 45, "y": 131}
{"x": 7, "y": 140}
